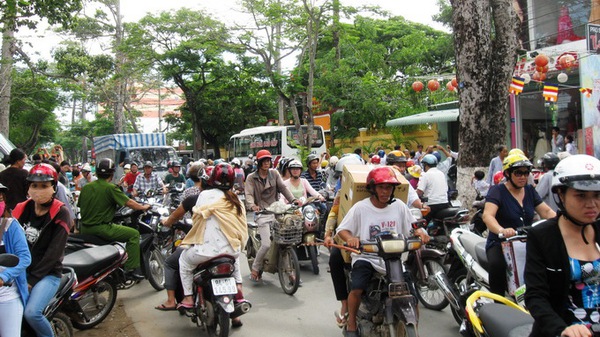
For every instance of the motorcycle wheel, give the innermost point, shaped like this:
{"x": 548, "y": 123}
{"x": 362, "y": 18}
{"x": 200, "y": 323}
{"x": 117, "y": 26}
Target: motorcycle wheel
{"x": 401, "y": 329}
{"x": 220, "y": 328}
{"x": 428, "y": 291}
{"x": 289, "y": 270}
{"x": 97, "y": 303}
{"x": 314, "y": 259}
{"x": 250, "y": 253}
{"x": 61, "y": 325}
{"x": 155, "y": 269}
{"x": 460, "y": 281}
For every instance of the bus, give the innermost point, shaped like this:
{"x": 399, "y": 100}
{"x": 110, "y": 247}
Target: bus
{"x": 281, "y": 141}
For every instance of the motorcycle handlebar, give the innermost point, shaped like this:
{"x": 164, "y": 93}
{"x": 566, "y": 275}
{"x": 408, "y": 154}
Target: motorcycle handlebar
{"x": 521, "y": 233}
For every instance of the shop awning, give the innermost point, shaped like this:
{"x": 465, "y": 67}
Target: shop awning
{"x": 440, "y": 116}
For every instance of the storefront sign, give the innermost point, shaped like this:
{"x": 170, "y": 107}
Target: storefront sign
{"x": 593, "y": 37}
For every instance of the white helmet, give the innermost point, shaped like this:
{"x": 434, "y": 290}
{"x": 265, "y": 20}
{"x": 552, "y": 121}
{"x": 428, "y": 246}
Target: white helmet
{"x": 580, "y": 171}
{"x": 294, "y": 164}
{"x": 236, "y": 161}
{"x": 351, "y": 159}
{"x": 333, "y": 160}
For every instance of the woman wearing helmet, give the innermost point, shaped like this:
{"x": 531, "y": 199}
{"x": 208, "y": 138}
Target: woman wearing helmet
{"x": 367, "y": 218}
{"x": 14, "y": 296}
{"x": 508, "y": 206}
{"x": 46, "y": 222}
{"x": 282, "y": 167}
{"x": 563, "y": 255}
{"x": 544, "y": 186}
{"x": 219, "y": 227}
{"x": 299, "y": 187}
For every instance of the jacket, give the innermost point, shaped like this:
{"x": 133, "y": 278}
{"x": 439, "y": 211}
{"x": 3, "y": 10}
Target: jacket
{"x": 16, "y": 243}
{"x": 547, "y": 276}
{"x": 263, "y": 194}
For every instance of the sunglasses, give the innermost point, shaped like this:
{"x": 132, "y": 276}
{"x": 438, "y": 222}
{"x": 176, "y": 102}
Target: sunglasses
{"x": 521, "y": 173}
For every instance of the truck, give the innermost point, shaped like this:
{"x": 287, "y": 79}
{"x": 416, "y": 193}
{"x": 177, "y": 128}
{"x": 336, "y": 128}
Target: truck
{"x": 135, "y": 147}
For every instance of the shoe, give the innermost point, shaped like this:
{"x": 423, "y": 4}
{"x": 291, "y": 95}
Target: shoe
{"x": 341, "y": 320}
{"x": 236, "y": 322}
{"x": 184, "y": 306}
{"x": 133, "y": 275}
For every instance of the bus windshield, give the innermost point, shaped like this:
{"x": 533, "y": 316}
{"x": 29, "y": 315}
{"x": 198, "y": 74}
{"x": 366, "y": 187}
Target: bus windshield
{"x": 292, "y": 136}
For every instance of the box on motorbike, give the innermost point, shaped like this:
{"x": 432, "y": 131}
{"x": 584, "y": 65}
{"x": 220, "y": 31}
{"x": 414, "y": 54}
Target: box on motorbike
{"x": 354, "y": 189}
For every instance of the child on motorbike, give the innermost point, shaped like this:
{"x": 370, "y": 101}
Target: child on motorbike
{"x": 562, "y": 269}
{"x": 367, "y": 218}
{"x": 12, "y": 297}
{"x": 219, "y": 227}
{"x": 46, "y": 221}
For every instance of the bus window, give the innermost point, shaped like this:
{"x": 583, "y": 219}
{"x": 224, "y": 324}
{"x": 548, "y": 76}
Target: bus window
{"x": 270, "y": 141}
{"x": 317, "y": 136}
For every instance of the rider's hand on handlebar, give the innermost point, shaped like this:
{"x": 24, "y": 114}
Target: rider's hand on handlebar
{"x": 353, "y": 242}
{"x": 328, "y": 240}
{"x": 576, "y": 330}
{"x": 256, "y": 208}
{"x": 507, "y": 232}
{"x": 298, "y": 202}
{"x": 422, "y": 234}
{"x": 147, "y": 207}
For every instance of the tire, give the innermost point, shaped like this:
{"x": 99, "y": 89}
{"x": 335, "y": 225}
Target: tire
{"x": 250, "y": 253}
{"x": 155, "y": 269}
{"x": 289, "y": 270}
{"x": 400, "y": 329}
{"x": 61, "y": 325}
{"x": 97, "y": 303}
{"x": 428, "y": 292}
{"x": 220, "y": 328}
{"x": 314, "y": 259}
{"x": 458, "y": 280}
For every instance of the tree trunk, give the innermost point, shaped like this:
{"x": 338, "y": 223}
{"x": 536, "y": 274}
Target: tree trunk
{"x": 485, "y": 41}
{"x": 6, "y": 64}
{"x": 121, "y": 82}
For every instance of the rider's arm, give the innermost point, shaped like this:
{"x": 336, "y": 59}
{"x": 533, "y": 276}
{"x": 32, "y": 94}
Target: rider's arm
{"x": 137, "y": 206}
{"x": 249, "y": 193}
{"x": 545, "y": 211}
{"x": 489, "y": 218}
{"x": 310, "y": 190}
{"x": 331, "y": 223}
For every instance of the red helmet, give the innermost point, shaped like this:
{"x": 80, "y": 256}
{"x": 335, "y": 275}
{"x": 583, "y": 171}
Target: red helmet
{"x": 43, "y": 172}
{"x": 376, "y": 160}
{"x": 263, "y": 154}
{"x": 410, "y": 163}
{"x": 498, "y": 176}
{"x": 381, "y": 175}
{"x": 222, "y": 176}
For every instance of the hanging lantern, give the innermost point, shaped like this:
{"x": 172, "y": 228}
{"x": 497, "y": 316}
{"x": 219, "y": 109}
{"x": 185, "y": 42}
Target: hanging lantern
{"x": 566, "y": 61}
{"x": 543, "y": 69}
{"x": 433, "y": 85}
{"x": 537, "y": 76}
{"x": 417, "y": 86}
{"x": 562, "y": 77}
{"x": 526, "y": 78}
{"x": 454, "y": 82}
{"x": 541, "y": 60}
{"x": 449, "y": 86}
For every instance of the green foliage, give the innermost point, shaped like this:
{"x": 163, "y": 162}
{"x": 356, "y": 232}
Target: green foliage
{"x": 27, "y": 12}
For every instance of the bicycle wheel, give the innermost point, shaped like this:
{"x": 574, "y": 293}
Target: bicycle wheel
{"x": 289, "y": 270}
{"x": 428, "y": 291}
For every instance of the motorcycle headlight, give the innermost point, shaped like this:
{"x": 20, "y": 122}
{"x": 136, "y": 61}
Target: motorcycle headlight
{"x": 393, "y": 246}
{"x": 309, "y": 213}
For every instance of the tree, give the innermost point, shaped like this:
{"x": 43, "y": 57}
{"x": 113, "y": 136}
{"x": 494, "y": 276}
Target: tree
{"x": 14, "y": 14}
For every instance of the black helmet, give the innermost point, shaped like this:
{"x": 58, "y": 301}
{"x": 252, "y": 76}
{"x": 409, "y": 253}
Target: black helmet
{"x": 549, "y": 160}
{"x": 310, "y": 158}
{"x": 283, "y": 164}
{"x": 175, "y": 163}
{"x": 105, "y": 166}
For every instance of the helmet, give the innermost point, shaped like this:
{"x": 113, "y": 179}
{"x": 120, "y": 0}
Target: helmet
{"x": 222, "y": 176}
{"x": 218, "y": 161}
{"x": 263, "y": 154}
{"x": 516, "y": 151}
{"x": 375, "y": 159}
{"x": 310, "y": 158}
{"x": 148, "y": 164}
{"x": 579, "y": 171}
{"x": 498, "y": 176}
{"x": 236, "y": 162}
{"x": 410, "y": 163}
{"x": 294, "y": 164}
{"x": 430, "y": 160}
{"x": 3, "y": 189}
{"x": 43, "y": 172}
{"x": 204, "y": 175}
{"x": 283, "y": 163}
{"x": 381, "y": 175}
{"x": 514, "y": 161}
{"x": 549, "y": 160}
{"x": 105, "y": 166}
{"x": 347, "y": 160}
{"x": 333, "y": 160}
{"x": 437, "y": 155}
{"x": 324, "y": 163}
{"x": 196, "y": 170}
{"x": 175, "y": 163}
{"x": 395, "y": 156}
{"x": 381, "y": 153}
{"x": 415, "y": 171}
{"x": 127, "y": 167}
{"x": 86, "y": 167}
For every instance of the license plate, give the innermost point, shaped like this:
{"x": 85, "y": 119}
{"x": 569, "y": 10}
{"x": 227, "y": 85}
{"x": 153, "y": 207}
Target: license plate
{"x": 224, "y": 286}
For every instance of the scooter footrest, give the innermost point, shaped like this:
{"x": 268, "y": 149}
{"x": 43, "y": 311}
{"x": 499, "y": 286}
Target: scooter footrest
{"x": 399, "y": 289}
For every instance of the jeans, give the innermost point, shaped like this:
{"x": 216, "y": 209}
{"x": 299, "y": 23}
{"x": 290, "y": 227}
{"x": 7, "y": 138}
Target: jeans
{"x": 264, "y": 230}
{"x": 11, "y": 314}
{"x": 40, "y": 296}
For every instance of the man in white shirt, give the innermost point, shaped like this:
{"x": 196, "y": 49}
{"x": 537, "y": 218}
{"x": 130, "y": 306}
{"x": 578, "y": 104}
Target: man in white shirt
{"x": 433, "y": 186}
{"x": 377, "y": 214}
{"x": 496, "y": 164}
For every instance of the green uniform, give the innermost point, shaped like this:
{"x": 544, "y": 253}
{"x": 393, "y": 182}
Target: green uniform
{"x": 98, "y": 202}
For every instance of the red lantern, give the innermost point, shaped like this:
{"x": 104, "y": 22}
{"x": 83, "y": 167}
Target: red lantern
{"x": 566, "y": 61}
{"x": 449, "y": 86}
{"x": 543, "y": 69}
{"x": 454, "y": 82}
{"x": 541, "y": 60}
{"x": 433, "y": 85}
{"x": 537, "y": 76}
{"x": 417, "y": 86}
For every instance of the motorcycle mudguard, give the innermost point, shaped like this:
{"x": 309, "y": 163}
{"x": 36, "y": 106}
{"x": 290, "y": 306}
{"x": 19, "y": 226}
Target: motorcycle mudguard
{"x": 226, "y": 304}
{"x": 430, "y": 253}
{"x": 404, "y": 308}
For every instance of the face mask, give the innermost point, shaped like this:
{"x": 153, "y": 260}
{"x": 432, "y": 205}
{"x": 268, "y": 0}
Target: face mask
{"x": 41, "y": 196}
{"x": 2, "y": 207}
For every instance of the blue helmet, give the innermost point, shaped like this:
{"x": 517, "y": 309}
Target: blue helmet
{"x": 430, "y": 160}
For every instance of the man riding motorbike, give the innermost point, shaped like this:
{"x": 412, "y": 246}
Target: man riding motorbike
{"x": 433, "y": 186}
{"x": 148, "y": 180}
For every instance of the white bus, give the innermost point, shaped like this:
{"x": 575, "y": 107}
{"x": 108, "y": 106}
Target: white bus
{"x": 281, "y": 141}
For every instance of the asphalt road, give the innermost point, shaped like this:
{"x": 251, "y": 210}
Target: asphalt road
{"x": 308, "y": 313}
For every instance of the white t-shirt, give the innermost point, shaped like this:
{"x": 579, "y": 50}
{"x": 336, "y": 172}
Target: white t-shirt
{"x": 434, "y": 186}
{"x": 365, "y": 221}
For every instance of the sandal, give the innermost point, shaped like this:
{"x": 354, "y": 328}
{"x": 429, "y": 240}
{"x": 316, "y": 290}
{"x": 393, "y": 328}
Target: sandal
{"x": 163, "y": 307}
{"x": 341, "y": 320}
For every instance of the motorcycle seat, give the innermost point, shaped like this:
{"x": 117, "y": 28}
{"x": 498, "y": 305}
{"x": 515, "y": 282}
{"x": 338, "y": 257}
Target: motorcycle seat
{"x": 500, "y": 320}
{"x": 475, "y": 246}
{"x": 87, "y": 262}
{"x": 446, "y": 213}
{"x": 87, "y": 238}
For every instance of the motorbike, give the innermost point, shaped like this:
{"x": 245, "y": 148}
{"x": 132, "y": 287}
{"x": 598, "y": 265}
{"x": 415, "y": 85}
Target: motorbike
{"x": 307, "y": 250}
{"x": 99, "y": 271}
{"x": 445, "y": 221}
{"x": 281, "y": 258}
{"x": 213, "y": 294}
{"x": 471, "y": 274}
{"x": 388, "y": 306}
{"x": 172, "y": 198}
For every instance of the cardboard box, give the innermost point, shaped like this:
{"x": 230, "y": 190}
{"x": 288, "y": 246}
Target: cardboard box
{"x": 354, "y": 187}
